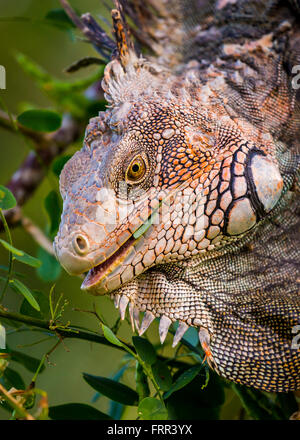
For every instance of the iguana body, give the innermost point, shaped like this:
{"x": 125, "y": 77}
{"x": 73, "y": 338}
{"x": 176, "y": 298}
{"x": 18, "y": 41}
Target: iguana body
{"x": 184, "y": 201}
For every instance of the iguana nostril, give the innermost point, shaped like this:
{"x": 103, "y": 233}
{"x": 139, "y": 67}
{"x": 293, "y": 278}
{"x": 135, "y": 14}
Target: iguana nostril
{"x": 80, "y": 244}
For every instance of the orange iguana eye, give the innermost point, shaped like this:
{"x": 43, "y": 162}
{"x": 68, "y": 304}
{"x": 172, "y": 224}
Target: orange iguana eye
{"x": 136, "y": 170}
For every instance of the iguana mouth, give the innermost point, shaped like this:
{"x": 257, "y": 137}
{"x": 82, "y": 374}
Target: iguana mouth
{"x": 97, "y": 273}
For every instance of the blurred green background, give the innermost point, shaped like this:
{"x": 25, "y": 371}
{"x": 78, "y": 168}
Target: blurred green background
{"x": 55, "y": 50}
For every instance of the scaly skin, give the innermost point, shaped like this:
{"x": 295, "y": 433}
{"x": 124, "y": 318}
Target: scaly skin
{"x": 184, "y": 204}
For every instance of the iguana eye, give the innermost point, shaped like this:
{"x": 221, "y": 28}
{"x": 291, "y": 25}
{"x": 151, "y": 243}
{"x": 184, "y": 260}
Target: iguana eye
{"x": 136, "y": 170}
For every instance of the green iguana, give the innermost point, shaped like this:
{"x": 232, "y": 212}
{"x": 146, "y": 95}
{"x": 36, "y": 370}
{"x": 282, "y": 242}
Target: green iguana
{"x": 183, "y": 203}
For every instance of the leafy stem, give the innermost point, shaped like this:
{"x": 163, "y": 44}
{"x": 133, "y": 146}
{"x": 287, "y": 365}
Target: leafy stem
{"x": 75, "y": 333}
{"x": 10, "y": 256}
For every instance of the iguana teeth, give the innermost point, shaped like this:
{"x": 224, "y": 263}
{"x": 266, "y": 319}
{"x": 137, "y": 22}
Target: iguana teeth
{"x": 131, "y": 315}
{"x": 116, "y": 300}
{"x": 181, "y": 329}
{"x": 136, "y": 317}
{"x": 164, "y": 325}
{"x": 123, "y": 305}
{"x": 147, "y": 319}
{"x": 204, "y": 337}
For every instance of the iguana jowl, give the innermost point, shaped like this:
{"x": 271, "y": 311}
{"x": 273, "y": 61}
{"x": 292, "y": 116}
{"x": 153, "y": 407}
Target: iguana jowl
{"x": 184, "y": 200}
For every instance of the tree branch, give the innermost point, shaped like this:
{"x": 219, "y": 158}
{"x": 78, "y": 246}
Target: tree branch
{"x": 74, "y": 333}
{"x": 37, "y": 234}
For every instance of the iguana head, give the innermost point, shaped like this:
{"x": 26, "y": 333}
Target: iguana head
{"x": 163, "y": 176}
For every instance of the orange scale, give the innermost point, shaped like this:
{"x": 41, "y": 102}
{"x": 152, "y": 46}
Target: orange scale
{"x": 182, "y": 172}
{"x": 187, "y": 176}
{"x": 194, "y": 183}
{"x": 172, "y": 181}
{"x": 203, "y": 177}
{"x": 226, "y": 174}
{"x": 208, "y": 168}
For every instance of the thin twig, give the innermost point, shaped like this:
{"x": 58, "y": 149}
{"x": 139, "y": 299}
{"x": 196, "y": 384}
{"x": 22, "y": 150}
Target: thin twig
{"x": 74, "y": 333}
{"x": 34, "y": 168}
{"x": 37, "y": 234}
{"x": 15, "y": 404}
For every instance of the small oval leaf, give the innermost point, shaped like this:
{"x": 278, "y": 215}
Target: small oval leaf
{"x": 40, "y": 120}
{"x": 110, "y": 336}
{"x": 186, "y": 377}
{"x": 162, "y": 375}
{"x": 50, "y": 269}
{"x": 12, "y": 249}
{"x": 18, "y": 286}
{"x": 76, "y": 411}
{"x": 53, "y": 208}
{"x": 152, "y": 409}
{"x": 2, "y": 337}
{"x": 20, "y": 255}
{"x": 7, "y": 199}
{"x": 113, "y": 390}
{"x": 144, "y": 349}
{"x": 43, "y": 302}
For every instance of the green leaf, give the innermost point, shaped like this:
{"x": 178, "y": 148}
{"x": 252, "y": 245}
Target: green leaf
{"x": 12, "y": 378}
{"x": 117, "y": 376}
{"x": 2, "y": 337}
{"x": 7, "y": 199}
{"x": 59, "y": 163}
{"x": 252, "y": 405}
{"x": 50, "y": 269}
{"x": 145, "y": 226}
{"x": 144, "y": 349}
{"x": 53, "y": 208}
{"x": 142, "y": 386}
{"x": 43, "y": 302}
{"x": 186, "y": 377}
{"x": 59, "y": 18}
{"x": 162, "y": 375}
{"x": 29, "y": 362}
{"x": 152, "y": 409}
{"x": 112, "y": 389}
{"x": 196, "y": 402}
{"x": 76, "y": 411}
{"x": 12, "y": 249}
{"x": 18, "y": 286}
{"x": 40, "y": 120}
{"x": 288, "y": 403}
{"x": 110, "y": 336}
{"x": 21, "y": 255}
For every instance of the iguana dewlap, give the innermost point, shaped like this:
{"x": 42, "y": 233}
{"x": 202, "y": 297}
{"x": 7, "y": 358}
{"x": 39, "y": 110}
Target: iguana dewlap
{"x": 184, "y": 201}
